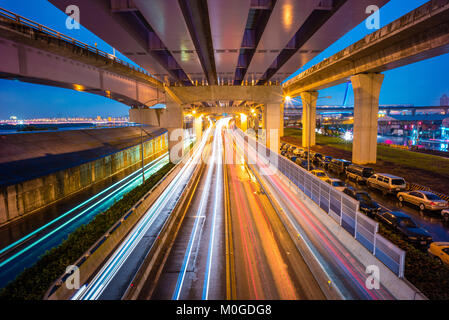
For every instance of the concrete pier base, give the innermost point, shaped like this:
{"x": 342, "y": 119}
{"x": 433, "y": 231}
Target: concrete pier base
{"x": 170, "y": 118}
{"x": 273, "y": 121}
{"x": 198, "y": 125}
{"x": 243, "y": 122}
{"x": 366, "y": 109}
{"x": 309, "y": 118}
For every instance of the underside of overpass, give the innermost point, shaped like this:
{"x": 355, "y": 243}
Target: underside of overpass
{"x": 418, "y": 35}
{"x": 202, "y": 55}
{"x": 220, "y": 54}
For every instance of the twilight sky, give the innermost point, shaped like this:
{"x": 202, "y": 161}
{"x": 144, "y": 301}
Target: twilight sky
{"x": 422, "y": 83}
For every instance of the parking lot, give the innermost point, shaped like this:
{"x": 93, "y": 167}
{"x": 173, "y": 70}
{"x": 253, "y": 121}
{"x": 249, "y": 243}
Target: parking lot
{"x": 430, "y": 221}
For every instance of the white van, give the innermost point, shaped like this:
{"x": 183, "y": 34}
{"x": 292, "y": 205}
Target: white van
{"x": 386, "y": 183}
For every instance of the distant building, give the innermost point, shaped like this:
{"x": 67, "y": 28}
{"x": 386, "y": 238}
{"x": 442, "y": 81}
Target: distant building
{"x": 444, "y": 101}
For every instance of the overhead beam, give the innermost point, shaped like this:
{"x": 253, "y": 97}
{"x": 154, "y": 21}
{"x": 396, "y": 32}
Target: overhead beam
{"x": 154, "y": 45}
{"x": 198, "y": 94}
{"x": 258, "y": 17}
{"x": 313, "y": 23}
{"x": 196, "y": 15}
{"x": 421, "y": 34}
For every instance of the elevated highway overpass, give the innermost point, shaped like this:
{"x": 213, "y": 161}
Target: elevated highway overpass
{"x": 421, "y": 34}
{"x": 200, "y": 71}
{"x": 202, "y": 60}
{"x": 34, "y": 53}
{"x": 184, "y": 45}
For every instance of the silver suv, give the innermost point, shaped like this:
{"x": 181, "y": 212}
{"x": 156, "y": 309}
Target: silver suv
{"x": 386, "y": 183}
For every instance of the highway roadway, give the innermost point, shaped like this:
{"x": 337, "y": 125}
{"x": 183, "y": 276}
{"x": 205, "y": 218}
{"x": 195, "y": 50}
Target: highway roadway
{"x": 267, "y": 264}
{"x": 196, "y": 262}
{"x": 25, "y": 250}
{"x": 347, "y": 274}
{"x": 232, "y": 243}
{"x": 231, "y": 228}
{"x": 114, "y": 278}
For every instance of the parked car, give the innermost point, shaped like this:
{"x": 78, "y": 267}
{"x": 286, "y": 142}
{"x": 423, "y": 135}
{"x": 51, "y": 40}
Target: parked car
{"x": 386, "y": 183}
{"x": 445, "y": 215}
{"x": 425, "y": 200}
{"x": 337, "y": 184}
{"x": 325, "y": 162}
{"x": 358, "y": 173}
{"x": 304, "y": 154}
{"x": 291, "y": 149}
{"x": 283, "y": 153}
{"x": 440, "y": 251}
{"x": 297, "y": 152}
{"x": 285, "y": 147}
{"x": 406, "y": 226}
{"x": 320, "y": 174}
{"x": 367, "y": 205}
{"x": 316, "y": 159}
{"x": 338, "y": 166}
{"x": 304, "y": 164}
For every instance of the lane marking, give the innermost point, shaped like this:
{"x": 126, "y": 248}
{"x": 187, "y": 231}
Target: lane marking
{"x": 205, "y": 193}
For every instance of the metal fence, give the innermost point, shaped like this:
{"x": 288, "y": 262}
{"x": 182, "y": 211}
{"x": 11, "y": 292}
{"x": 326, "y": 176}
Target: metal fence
{"x": 342, "y": 208}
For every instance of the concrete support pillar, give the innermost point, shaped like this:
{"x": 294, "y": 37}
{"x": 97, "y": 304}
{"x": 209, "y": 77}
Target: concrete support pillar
{"x": 263, "y": 121}
{"x": 144, "y": 115}
{"x": 281, "y": 126}
{"x": 198, "y": 124}
{"x": 272, "y": 124}
{"x": 250, "y": 122}
{"x": 309, "y": 118}
{"x": 366, "y": 109}
{"x": 172, "y": 119}
{"x": 256, "y": 122}
{"x": 243, "y": 122}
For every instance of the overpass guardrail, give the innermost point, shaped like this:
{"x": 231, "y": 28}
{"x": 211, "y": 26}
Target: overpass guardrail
{"x": 11, "y": 16}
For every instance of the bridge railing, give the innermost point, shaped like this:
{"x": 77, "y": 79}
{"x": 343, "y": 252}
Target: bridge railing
{"x": 339, "y": 206}
{"x": 51, "y": 32}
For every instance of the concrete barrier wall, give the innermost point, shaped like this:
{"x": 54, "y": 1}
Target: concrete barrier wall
{"x": 26, "y": 197}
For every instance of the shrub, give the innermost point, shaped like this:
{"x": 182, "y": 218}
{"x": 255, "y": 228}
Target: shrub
{"x": 423, "y": 271}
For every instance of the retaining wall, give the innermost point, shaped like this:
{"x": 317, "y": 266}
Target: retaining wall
{"x": 78, "y": 160}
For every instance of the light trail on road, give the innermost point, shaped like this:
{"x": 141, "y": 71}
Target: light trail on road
{"x": 25, "y": 251}
{"x": 196, "y": 259}
{"x": 132, "y": 250}
{"x": 346, "y": 272}
{"x": 267, "y": 262}
{"x": 218, "y": 199}
{"x": 214, "y": 167}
